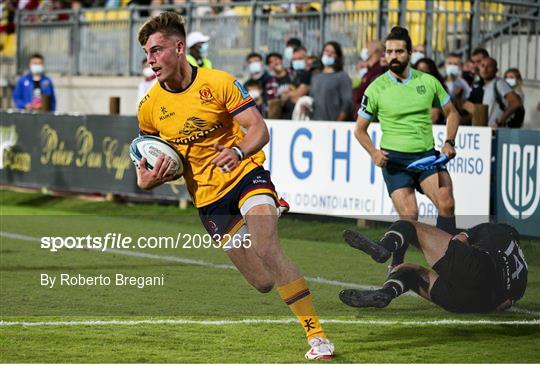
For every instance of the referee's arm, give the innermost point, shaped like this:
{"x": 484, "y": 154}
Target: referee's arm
{"x": 360, "y": 132}
{"x": 452, "y": 124}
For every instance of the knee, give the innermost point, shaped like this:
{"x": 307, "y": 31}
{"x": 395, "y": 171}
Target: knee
{"x": 445, "y": 203}
{"x": 264, "y": 286}
{"x": 410, "y": 213}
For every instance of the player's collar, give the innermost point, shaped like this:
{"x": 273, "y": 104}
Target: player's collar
{"x": 193, "y": 76}
{"x": 397, "y": 81}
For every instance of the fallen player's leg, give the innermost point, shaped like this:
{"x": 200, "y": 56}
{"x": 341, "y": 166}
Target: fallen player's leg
{"x": 403, "y": 278}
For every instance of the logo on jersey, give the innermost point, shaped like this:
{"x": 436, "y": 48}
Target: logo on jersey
{"x": 196, "y": 129}
{"x": 165, "y": 114}
{"x": 421, "y": 89}
{"x": 520, "y": 177}
{"x": 213, "y": 226}
{"x": 145, "y": 98}
{"x": 206, "y": 96}
{"x": 242, "y": 89}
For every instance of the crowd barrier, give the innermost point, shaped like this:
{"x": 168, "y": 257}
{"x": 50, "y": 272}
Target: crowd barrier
{"x": 318, "y": 167}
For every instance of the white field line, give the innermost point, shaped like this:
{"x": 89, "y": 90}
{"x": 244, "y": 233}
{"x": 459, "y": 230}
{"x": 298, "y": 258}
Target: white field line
{"x": 187, "y": 261}
{"x": 441, "y": 322}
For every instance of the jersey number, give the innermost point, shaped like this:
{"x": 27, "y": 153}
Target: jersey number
{"x": 518, "y": 258}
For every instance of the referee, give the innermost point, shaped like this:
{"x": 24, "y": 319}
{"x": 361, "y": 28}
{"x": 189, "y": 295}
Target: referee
{"x": 401, "y": 99}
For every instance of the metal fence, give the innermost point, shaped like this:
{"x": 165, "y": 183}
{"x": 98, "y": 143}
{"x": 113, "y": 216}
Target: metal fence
{"x": 104, "y": 42}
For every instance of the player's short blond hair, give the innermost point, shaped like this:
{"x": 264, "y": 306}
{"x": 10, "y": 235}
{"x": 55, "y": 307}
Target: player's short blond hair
{"x": 167, "y": 23}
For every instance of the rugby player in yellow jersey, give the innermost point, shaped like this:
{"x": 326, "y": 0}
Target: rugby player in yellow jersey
{"x": 201, "y": 112}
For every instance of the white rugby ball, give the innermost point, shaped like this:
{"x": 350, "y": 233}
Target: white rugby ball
{"x": 151, "y": 147}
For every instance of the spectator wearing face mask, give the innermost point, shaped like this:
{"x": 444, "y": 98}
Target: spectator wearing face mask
{"x": 149, "y": 79}
{"x": 418, "y": 52}
{"x": 255, "y": 90}
{"x": 31, "y": 87}
{"x": 458, "y": 89}
{"x": 257, "y": 73}
{"x": 512, "y": 76}
{"x": 197, "y": 43}
{"x": 331, "y": 89}
{"x": 373, "y": 70}
{"x": 291, "y": 44}
{"x": 301, "y": 74}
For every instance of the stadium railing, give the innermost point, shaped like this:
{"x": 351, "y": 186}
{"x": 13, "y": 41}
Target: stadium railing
{"x": 103, "y": 41}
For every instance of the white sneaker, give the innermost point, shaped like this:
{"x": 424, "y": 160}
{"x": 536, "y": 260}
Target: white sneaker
{"x": 320, "y": 349}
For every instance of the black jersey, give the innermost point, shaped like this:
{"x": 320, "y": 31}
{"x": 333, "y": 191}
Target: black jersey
{"x": 501, "y": 242}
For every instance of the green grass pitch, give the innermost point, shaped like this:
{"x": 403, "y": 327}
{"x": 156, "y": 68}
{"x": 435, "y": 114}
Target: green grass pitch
{"x": 199, "y": 314}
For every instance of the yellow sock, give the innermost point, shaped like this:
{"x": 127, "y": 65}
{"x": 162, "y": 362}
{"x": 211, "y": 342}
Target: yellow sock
{"x": 297, "y": 296}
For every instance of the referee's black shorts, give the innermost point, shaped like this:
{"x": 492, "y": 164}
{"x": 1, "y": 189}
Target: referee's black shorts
{"x": 466, "y": 280}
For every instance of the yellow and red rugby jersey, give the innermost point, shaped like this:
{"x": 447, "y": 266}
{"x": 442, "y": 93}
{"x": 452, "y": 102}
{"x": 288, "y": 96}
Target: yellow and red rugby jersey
{"x": 193, "y": 120}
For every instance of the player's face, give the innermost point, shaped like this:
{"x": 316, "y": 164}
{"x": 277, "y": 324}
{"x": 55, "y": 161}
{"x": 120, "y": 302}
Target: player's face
{"x": 163, "y": 55}
{"x": 396, "y": 55}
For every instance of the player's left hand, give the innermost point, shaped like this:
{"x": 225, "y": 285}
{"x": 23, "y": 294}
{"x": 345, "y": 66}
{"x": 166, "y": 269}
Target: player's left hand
{"x": 448, "y": 150}
{"x": 227, "y": 160}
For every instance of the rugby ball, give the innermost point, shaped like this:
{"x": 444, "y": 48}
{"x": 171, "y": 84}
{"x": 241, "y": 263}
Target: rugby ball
{"x": 151, "y": 147}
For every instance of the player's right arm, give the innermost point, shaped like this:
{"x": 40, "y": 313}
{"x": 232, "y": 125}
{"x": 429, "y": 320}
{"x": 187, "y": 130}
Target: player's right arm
{"x": 366, "y": 113}
{"x": 149, "y": 179}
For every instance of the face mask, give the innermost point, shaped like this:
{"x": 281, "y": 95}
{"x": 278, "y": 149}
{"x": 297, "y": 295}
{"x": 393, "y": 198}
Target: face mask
{"x": 36, "y": 69}
{"x": 364, "y": 54}
{"x": 511, "y": 82}
{"x": 416, "y": 56}
{"x": 203, "y": 50}
{"x": 362, "y": 72}
{"x": 327, "y": 60}
{"x": 255, "y": 94}
{"x": 298, "y": 65}
{"x": 287, "y": 54}
{"x": 147, "y": 72}
{"x": 452, "y": 70}
{"x": 255, "y": 67}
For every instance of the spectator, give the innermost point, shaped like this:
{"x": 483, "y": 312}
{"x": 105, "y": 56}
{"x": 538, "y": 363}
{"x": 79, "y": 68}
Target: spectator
{"x": 502, "y": 102}
{"x": 255, "y": 90}
{"x": 374, "y": 70}
{"x": 512, "y": 76}
{"x": 301, "y": 75}
{"x": 291, "y": 44}
{"x": 418, "y": 52}
{"x": 428, "y": 66}
{"x": 458, "y": 89}
{"x": 467, "y": 72}
{"x": 477, "y": 92}
{"x": 31, "y": 87}
{"x": 258, "y": 74}
{"x": 331, "y": 89}
{"x": 197, "y": 43}
{"x": 149, "y": 79}
{"x": 281, "y": 85}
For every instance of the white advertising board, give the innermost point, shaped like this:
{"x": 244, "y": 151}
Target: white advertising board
{"x": 320, "y": 168}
